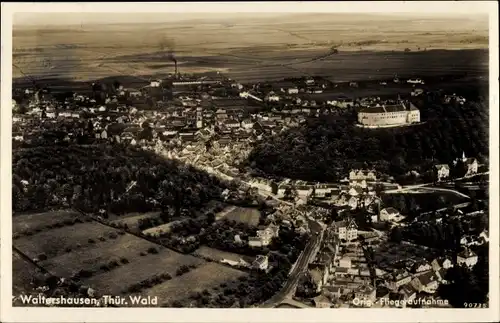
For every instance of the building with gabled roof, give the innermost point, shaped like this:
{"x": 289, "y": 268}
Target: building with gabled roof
{"x": 467, "y": 257}
{"x": 346, "y": 229}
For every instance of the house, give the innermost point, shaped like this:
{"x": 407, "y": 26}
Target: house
{"x": 358, "y": 183}
{"x": 271, "y": 97}
{"x": 389, "y": 214}
{"x": 231, "y": 124}
{"x": 221, "y": 114}
{"x": 442, "y": 171}
{"x": 264, "y": 237}
{"x": 467, "y": 258}
{"x": 247, "y": 124}
{"x": 422, "y": 266}
{"x": 344, "y": 262}
{"x": 261, "y": 263}
{"x": 399, "y": 278}
{"x": 317, "y": 278}
{"x": 355, "y": 191}
{"x": 341, "y": 272}
{"x": 322, "y": 301}
{"x": 408, "y": 291}
{"x": 366, "y": 295}
{"x": 293, "y": 90}
{"x": 347, "y": 230}
{"x": 334, "y": 292}
{"x": 353, "y": 202}
{"x": 357, "y": 174}
{"x": 427, "y": 282}
{"x": 155, "y": 83}
{"x": 472, "y": 165}
{"x": 443, "y": 263}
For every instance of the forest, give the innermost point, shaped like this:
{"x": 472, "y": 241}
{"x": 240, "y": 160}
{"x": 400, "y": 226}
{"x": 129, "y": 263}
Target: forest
{"x": 326, "y": 148}
{"x": 116, "y": 178}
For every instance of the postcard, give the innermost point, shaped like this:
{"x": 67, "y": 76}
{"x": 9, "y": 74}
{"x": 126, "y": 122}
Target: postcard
{"x": 250, "y": 162}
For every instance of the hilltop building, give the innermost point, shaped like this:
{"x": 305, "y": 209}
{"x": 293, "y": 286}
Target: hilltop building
{"x": 403, "y": 113}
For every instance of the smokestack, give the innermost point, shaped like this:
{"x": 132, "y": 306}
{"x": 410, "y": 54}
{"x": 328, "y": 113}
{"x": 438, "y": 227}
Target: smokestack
{"x": 175, "y": 63}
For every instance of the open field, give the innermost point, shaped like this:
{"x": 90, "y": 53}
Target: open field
{"x": 219, "y": 255}
{"x": 244, "y": 215}
{"x": 94, "y": 255}
{"x": 119, "y": 279}
{"x": 207, "y": 276}
{"x": 32, "y": 222}
{"x": 132, "y": 219}
{"x": 252, "y": 48}
{"x": 52, "y": 242}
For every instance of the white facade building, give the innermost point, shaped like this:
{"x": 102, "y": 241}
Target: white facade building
{"x": 389, "y": 115}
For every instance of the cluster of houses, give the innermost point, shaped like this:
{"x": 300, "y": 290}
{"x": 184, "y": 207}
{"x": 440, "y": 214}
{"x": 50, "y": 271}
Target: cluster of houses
{"x": 442, "y": 171}
{"x": 347, "y": 281}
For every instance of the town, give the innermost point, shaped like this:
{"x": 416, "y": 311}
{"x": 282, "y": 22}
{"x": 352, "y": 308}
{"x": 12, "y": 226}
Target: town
{"x": 368, "y": 239}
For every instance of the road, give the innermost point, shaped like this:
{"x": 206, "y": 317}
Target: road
{"x": 456, "y": 206}
{"x": 300, "y": 267}
{"x": 406, "y": 189}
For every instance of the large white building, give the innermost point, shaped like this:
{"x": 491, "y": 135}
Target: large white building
{"x": 400, "y": 114}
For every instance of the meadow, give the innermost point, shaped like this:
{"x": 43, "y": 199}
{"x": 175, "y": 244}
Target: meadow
{"x": 243, "y": 215}
{"x": 254, "y": 48}
{"x": 107, "y": 259}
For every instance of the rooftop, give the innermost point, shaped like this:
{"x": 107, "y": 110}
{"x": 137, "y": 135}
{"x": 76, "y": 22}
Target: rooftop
{"x": 390, "y": 108}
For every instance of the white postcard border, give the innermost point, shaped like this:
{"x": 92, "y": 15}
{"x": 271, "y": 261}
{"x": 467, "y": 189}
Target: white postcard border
{"x": 10, "y": 314}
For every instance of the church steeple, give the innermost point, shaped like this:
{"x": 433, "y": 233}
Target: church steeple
{"x": 463, "y": 157}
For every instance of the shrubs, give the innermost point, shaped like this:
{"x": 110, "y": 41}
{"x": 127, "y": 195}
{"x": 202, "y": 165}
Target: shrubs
{"x": 42, "y": 257}
{"x": 85, "y": 273}
{"x": 68, "y": 222}
{"x": 124, "y": 260}
{"x": 148, "y": 283}
{"x": 67, "y": 250}
{"x": 182, "y": 270}
{"x": 91, "y": 241}
{"x": 142, "y": 253}
{"x": 112, "y": 235}
{"x": 102, "y": 239}
{"x": 113, "y": 264}
{"x": 152, "y": 250}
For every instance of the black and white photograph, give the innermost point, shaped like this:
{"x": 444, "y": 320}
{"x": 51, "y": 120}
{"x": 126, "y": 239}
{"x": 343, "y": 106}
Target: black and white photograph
{"x": 252, "y": 159}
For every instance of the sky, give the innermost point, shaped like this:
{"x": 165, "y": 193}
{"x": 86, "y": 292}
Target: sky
{"x": 71, "y": 18}
{"x": 116, "y": 18}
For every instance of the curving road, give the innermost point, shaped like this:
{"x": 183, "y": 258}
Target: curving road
{"x": 300, "y": 267}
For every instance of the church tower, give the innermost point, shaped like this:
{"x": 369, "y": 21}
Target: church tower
{"x": 199, "y": 117}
